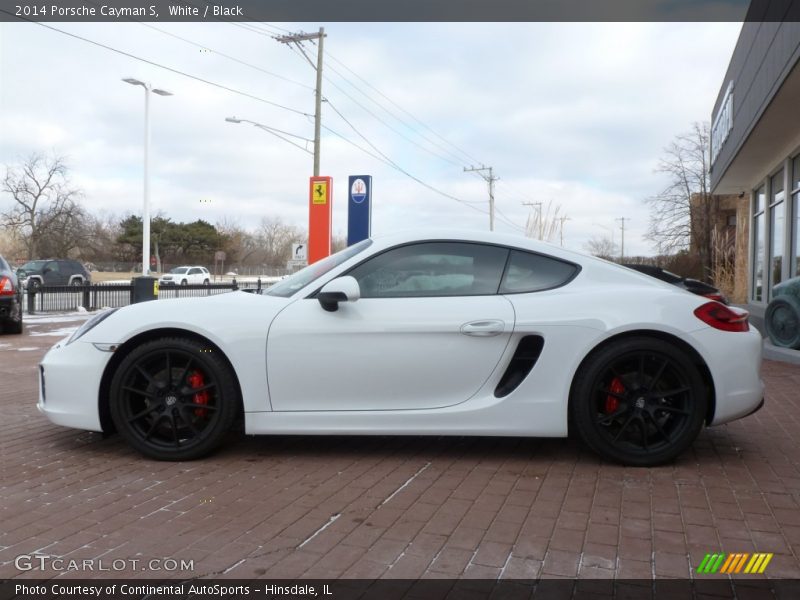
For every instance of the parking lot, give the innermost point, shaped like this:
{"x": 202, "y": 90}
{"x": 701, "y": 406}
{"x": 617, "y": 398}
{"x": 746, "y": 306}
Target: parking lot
{"x": 390, "y": 507}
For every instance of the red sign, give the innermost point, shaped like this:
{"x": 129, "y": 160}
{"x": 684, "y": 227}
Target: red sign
{"x": 319, "y": 218}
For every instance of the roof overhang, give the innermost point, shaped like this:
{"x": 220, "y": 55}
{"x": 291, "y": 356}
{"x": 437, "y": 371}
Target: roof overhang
{"x": 775, "y": 136}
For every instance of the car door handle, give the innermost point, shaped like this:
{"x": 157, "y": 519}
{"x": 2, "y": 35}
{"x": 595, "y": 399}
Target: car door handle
{"x": 488, "y": 328}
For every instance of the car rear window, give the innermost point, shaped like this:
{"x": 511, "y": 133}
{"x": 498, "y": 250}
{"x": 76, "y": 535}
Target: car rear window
{"x": 528, "y": 272}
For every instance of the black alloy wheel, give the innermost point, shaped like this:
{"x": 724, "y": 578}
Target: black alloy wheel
{"x": 174, "y": 399}
{"x": 639, "y": 401}
{"x": 782, "y": 320}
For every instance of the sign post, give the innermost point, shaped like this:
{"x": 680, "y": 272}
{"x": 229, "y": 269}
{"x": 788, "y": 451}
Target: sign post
{"x": 359, "y": 208}
{"x": 319, "y": 218}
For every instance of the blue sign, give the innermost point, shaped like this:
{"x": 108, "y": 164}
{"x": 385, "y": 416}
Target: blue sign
{"x": 359, "y": 208}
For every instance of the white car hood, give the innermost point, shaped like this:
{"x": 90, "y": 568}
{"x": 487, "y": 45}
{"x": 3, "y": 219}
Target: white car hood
{"x": 223, "y": 318}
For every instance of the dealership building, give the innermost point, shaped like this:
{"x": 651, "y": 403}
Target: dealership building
{"x": 755, "y": 148}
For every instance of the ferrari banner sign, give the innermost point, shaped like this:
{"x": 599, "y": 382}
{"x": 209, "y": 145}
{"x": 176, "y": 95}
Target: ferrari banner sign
{"x": 319, "y": 218}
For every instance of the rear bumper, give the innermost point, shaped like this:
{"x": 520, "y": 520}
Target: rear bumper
{"x": 734, "y": 360}
{"x": 10, "y": 308}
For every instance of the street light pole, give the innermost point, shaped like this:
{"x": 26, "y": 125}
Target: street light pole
{"x": 146, "y": 207}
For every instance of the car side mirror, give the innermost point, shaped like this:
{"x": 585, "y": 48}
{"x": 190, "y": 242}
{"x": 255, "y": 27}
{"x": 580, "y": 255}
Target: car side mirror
{"x": 341, "y": 289}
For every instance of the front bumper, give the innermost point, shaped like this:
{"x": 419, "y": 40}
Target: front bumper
{"x": 69, "y": 384}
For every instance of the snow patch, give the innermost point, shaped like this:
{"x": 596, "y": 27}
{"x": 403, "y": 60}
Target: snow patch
{"x": 63, "y": 332}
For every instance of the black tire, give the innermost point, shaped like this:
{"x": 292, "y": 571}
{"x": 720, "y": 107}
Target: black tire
{"x": 157, "y": 410}
{"x": 14, "y": 327}
{"x": 76, "y": 282}
{"x": 34, "y": 284}
{"x": 184, "y": 282}
{"x": 782, "y": 320}
{"x": 206, "y": 282}
{"x": 638, "y": 401}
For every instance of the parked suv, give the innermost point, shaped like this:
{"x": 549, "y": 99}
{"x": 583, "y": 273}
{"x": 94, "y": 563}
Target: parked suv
{"x": 10, "y": 300}
{"x": 36, "y": 273}
{"x": 185, "y": 276}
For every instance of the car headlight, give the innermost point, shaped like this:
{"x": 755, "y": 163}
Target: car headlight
{"x": 91, "y": 323}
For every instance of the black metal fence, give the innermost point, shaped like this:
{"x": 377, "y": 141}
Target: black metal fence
{"x": 60, "y": 298}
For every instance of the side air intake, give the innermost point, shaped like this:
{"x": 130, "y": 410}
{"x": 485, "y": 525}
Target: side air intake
{"x": 526, "y": 355}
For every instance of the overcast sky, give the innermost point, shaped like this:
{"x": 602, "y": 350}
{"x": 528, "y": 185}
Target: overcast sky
{"x": 573, "y": 114}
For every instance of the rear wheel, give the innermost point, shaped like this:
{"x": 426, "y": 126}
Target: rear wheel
{"x": 782, "y": 320}
{"x": 173, "y": 399}
{"x": 639, "y": 401}
{"x": 11, "y": 326}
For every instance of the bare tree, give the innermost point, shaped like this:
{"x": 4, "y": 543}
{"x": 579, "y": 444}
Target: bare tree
{"x": 275, "y": 239}
{"x": 681, "y": 215}
{"x": 602, "y": 247}
{"x": 546, "y": 223}
{"x": 44, "y": 204}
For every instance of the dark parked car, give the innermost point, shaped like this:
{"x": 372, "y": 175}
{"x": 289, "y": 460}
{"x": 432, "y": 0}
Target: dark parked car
{"x": 782, "y": 317}
{"x": 687, "y": 283}
{"x": 36, "y": 273}
{"x": 10, "y": 300}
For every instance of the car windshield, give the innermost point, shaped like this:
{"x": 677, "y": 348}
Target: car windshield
{"x": 33, "y": 265}
{"x": 303, "y": 277}
{"x": 179, "y": 270}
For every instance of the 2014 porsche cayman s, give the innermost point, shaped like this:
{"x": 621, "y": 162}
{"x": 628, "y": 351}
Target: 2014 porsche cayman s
{"x": 451, "y": 334}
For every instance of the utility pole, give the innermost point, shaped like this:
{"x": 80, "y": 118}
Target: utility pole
{"x": 297, "y": 38}
{"x": 561, "y": 229}
{"x": 538, "y": 205}
{"x": 490, "y": 180}
{"x": 622, "y": 245}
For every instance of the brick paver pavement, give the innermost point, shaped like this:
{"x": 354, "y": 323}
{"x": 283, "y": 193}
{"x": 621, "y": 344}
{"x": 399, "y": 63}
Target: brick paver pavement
{"x": 394, "y": 507}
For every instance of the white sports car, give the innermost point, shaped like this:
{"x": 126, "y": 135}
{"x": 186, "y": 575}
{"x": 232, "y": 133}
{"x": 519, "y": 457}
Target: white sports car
{"x": 452, "y": 334}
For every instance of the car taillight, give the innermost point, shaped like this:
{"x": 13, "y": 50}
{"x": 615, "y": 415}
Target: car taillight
{"x": 721, "y": 317}
{"x": 716, "y": 296}
{"x": 6, "y": 287}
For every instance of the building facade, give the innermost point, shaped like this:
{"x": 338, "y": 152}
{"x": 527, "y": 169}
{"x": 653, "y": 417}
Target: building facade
{"x": 755, "y": 146}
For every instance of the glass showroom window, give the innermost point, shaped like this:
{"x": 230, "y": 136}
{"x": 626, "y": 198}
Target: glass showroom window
{"x": 759, "y": 202}
{"x": 777, "y": 217}
{"x": 796, "y": 213}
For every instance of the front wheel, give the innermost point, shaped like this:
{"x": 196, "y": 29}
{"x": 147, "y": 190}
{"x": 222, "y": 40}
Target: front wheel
{"x": 76, "y": 282}
{"x": 174, "y": 399}
{"x": 639, "y": 402}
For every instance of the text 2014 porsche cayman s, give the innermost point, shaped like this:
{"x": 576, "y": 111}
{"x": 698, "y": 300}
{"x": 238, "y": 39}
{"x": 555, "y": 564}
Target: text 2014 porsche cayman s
{"x": 457, "y": 334}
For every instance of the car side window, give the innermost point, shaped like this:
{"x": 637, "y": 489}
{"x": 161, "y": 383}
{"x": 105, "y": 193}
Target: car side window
{"x": 53, "y": 266}
{"x": 432, "y": 269}
{"x": 193, "y": 271}
{"x": 528, "y": 272}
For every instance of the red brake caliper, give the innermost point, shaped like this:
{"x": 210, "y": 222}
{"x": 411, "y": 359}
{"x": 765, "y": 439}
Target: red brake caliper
{"x": 196, "y": 380}
{"x": 612, "y": 402}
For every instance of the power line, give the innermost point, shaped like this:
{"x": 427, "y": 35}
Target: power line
{"x": 368, "y": 84}
{"x": 228, "y": 56}
{"x": 403, "y": 171}
{"x": 160, "y": 66}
